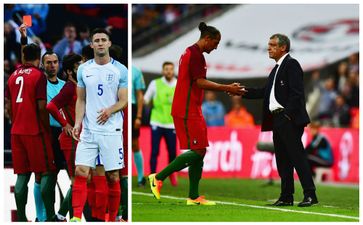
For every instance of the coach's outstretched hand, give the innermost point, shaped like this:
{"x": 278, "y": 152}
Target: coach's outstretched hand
{"x": 236, "y": 89}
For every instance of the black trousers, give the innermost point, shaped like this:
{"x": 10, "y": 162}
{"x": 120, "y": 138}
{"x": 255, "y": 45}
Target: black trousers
{"x": 170, "y": 139}
{"x": 290, "y": 154}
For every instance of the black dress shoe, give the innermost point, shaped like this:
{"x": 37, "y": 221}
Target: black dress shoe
{"x": 282, "y": 203}
{"x": 308, "y": 201}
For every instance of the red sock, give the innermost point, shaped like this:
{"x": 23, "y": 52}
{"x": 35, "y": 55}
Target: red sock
{"x": 114, "y": 196}
{"x": 79, "y": 195}
{"x": 101, "y": 192}
{"x": 91, "y": 194}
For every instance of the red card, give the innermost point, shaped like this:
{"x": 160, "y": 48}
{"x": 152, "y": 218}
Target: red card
{"x": 27, "y": 19}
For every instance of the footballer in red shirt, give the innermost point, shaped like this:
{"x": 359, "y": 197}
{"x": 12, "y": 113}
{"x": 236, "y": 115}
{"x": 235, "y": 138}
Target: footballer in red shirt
{"x": 30, "y": 140}
{"x": 190, "y": 126}
{"x": 62, "y": 108}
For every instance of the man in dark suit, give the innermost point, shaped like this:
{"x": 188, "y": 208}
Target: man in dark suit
{"x": 285, "y": 114}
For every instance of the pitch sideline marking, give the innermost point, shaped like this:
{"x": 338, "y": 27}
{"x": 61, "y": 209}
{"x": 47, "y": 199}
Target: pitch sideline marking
{"x": 258, "y": 207}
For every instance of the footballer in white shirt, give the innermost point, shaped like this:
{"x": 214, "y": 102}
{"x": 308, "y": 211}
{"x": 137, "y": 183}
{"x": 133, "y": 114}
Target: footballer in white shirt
{"x": 101, "y": 96}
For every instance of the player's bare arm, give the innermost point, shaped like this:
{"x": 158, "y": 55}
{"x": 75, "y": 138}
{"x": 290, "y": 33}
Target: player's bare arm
{"x": 23, "y": 35}
{"x": 80, "y": 111}
{"x": 233, "y": 89}
{"x": 104, "y": 114}
{"x": 139, "y": 102}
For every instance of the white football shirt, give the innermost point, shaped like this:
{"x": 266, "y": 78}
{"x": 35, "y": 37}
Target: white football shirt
{"x": 102, "y": 83}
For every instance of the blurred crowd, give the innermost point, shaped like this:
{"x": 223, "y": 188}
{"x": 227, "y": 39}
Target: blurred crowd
{"x": 155, "y": 21}
{"x": 333, "y": 100}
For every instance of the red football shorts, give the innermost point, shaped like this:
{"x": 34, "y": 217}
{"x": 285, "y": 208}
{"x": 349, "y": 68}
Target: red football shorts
{"x": 70, "y": 156}
{"x": 68, "y": 146}
{"x": 192, "y": 133}
{"x": 32, "y": 153}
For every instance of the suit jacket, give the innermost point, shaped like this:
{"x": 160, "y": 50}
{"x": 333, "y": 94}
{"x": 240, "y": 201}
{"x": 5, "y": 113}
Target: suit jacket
{"x": 289, "y": 92}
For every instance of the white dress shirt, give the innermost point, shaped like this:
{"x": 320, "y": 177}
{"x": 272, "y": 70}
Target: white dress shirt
{"x": 274, "y": 104}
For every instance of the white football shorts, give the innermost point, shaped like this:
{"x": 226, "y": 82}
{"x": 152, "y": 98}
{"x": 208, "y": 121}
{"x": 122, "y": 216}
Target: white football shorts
{"x": 108, "y": 147}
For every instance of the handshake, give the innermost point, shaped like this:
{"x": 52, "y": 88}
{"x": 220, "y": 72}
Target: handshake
{"x": 235, "y": 89}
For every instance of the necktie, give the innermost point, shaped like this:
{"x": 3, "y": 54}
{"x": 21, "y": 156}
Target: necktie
{"x": 274, "y": 70}
{"x": 272, "y": 77}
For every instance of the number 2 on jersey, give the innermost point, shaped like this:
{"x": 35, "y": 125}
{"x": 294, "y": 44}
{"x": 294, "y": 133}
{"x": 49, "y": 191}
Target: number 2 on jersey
{"x": 19, "y": 80}
{"x": 100, "y": 89}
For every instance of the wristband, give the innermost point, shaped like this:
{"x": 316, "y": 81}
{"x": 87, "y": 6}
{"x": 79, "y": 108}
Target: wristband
{"x": 24, "y": 40}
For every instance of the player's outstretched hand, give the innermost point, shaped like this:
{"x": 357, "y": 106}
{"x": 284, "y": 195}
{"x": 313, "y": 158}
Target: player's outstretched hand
{"x": 236, "y": 89}
{"x": 22, "y": 30}
{"x": 103, "y": 116}
{"x": 75, "y": 132}
{"x": 68, "y": 129}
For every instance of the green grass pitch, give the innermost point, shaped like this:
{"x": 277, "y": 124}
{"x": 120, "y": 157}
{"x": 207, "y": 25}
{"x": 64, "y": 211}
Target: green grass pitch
{"x": 243, "y": 200}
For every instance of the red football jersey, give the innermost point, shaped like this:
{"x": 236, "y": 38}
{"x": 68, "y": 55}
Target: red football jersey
{"x": 188, "y": 97}
{"x": 25, "y": 86}
{"x": 65, "y": 100}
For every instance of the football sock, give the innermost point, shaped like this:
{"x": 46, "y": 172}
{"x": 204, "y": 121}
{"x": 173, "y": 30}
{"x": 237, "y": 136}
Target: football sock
{"x": 39, "y": 205}
{"x": 70, "y": 208}
{"x": 195, "y": 174}
{"x": 114, "y": 195}
{"x": 21, "y": 195}
{"x": 124, "y": 195}
{"x": 101, "y": 193}
{"x": 47, "y": 187}
{"x": 139, "y": 162}
{"x": 184, "y": 160}
{"x": 79, "y": 195}
{"x": 91, "y": 193}
{"x": 64, "y": 208}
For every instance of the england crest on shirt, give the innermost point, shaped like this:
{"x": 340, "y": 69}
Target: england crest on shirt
{"x": 110, "y": 79}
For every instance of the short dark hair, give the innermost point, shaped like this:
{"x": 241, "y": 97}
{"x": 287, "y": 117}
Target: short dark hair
{"x": 283, "y": 40}
{"x": 167, "y": 63}
{"x": 49, "y": 52}
{"x": 99, "y": 30}
{"x": 31, "y": 52}
{"x": 87, "y": 52}
{"x": 208, "y": 31}
{"x": 69, "y": 24}
{"x": 70, "y": 60}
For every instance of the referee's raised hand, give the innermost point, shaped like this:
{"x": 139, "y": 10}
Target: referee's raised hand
{"x": 22, "y": 30}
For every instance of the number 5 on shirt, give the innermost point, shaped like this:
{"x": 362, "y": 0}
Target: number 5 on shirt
{"x": 100, "y": 89}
